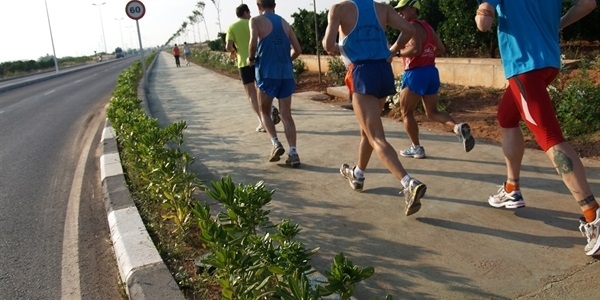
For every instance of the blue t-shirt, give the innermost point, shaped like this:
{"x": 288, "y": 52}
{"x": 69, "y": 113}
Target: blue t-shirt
{"x": 528, "y": 34}
{"x": 273, "y": 58}
{"x": 367, "y": 40}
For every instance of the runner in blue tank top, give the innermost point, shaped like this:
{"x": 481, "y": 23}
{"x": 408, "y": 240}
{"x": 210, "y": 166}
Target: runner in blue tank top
{"x": 271, "y": 38}
{"x": 277, "y": 62}
{"x": 370, "y": 79}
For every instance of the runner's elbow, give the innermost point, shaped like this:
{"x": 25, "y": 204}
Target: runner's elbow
{"x": 588, "y": 5}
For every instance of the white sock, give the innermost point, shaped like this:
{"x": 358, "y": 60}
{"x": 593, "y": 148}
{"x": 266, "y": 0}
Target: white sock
{"x": 293, "y": 150}
{"x": 275, "y": 140}
{"x": 406, "y": 180}
{"x": 358, "y": 173}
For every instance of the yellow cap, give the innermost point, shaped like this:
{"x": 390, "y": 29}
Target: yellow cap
{"x": 414, "y": 3}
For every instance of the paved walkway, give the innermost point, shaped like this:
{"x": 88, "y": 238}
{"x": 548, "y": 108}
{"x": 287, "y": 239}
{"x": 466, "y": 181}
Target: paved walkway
{"x": 455, "y": 247}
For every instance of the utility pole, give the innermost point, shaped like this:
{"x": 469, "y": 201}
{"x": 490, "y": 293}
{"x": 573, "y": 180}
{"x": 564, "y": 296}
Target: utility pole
{"x": 121, "y": 30}
{"x": 101, "y": 24}
{"x": 317, "y": 40}
{"x": 51, "y": 38}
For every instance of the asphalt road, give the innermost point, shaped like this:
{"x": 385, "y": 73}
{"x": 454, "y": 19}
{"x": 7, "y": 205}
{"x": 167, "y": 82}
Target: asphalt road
{"x": 54, "y": 236}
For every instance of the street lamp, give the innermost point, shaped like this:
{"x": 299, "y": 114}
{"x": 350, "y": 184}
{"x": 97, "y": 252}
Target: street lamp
{"x": 101, "y": 25}
{"x": 130, "y": 39}
{"x": 121, "y": 30}
{"x": 51, "y": 38}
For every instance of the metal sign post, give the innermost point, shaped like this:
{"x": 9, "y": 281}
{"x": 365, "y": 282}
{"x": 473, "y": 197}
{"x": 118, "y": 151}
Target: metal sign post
{"x": 135, "y": 10}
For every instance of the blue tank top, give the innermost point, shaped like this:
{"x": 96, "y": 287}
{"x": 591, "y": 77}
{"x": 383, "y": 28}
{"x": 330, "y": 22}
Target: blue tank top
{"x": 367, "y": 40}
{"x": 273, "y": 58}
{"x": 528, "y": 34}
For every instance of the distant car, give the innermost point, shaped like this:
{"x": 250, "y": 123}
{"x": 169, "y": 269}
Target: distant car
{"x": 119, "y": 53}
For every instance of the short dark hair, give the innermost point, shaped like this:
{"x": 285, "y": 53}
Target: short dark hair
{"x": 241, "y": 10}
{"x": 267, "y": 3}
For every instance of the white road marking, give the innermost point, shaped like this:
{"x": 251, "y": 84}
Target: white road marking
{"x": 70, "y": 285}
{"x": 50, "y": 92}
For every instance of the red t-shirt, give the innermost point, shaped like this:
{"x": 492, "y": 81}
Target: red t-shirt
{"x": 427, "y": 57}
{"x": 176, "y": 51}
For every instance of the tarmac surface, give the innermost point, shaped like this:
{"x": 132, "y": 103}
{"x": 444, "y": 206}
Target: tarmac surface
{"x": 456, "y": 246}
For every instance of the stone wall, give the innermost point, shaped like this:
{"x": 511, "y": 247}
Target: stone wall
{"x": 485, "y": 72}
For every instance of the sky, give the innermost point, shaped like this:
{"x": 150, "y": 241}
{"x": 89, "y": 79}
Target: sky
{"x": 79, "y": 27}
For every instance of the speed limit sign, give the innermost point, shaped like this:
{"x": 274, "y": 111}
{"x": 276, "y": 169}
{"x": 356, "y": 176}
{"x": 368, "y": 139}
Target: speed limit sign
{"x": 135, "y": 9}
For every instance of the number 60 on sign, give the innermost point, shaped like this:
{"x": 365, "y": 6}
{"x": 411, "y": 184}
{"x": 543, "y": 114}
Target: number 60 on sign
{"x": 135, "y": 9}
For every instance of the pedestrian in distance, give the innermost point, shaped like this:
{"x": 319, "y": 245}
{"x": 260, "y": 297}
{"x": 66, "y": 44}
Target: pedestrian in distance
{"x": 271, "y": 38}
{"x": 421, "y": 81}
{"x": 528, "y": 35}
{"x": 187, "y": 52}
{"x": 364, "y": 48}
{"x": 238, "y": 39}
{"x": 175, "y": 52}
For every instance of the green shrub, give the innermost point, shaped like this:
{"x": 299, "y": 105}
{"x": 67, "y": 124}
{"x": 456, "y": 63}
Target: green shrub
{"x": 257, "y": 259}
{"x": 299, "y": 67}
{"x": 595, "y": 64}
{"x": 577, "y": 106}
{"x": 394, "y": 100}
{"x": 337, "y": 70}
{"x": 215, "y": 59}
{"x": 216, "y": 45}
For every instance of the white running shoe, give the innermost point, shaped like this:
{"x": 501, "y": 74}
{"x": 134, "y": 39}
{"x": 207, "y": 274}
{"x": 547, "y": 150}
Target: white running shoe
{"x": 275, "y": 115}
{"x": 413, "y": 194}
{"x": 465, "y": 137}
{"x": 293, "y": 160}
{"x": 505, "y": 199}
{"x": 276, "y": 152}
{"x": 591, "y": 231}
{"x": 260, "y": 128}
{"x": 414, "y": 151}
{"x": 355, "y": 183}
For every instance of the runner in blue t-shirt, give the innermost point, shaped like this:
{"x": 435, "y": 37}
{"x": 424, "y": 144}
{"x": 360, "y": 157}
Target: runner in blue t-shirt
{"x": 528, "y": 35}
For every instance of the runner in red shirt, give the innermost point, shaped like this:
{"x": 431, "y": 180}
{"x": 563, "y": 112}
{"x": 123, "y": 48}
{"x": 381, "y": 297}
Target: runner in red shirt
{"x": 176, "y": 55}
{"x": 421, "y": 81}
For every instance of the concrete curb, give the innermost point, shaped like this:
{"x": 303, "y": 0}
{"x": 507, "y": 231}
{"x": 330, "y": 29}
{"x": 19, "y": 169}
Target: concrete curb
{"x": 339, "y": 91}
{"x": 140, "y": 265}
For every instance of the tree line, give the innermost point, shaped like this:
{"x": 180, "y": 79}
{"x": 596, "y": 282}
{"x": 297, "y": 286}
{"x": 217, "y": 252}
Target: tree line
{"x": 453, "y": 20}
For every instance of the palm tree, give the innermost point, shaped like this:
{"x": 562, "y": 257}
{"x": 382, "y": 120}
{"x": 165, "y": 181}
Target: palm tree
{"x": 192, "y": 20}
{"x": 183, "y": 28}
{"x": 200, "y": 10}
{"x": 217, "y": 4}
{"x": 198, "y": 18}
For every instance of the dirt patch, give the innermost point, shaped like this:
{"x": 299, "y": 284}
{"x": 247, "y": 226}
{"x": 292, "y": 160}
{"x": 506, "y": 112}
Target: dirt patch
{"x": 475, "y": 105}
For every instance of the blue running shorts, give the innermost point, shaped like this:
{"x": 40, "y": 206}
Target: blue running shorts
{"x": 277, "y": 88}
{"x": 422, "y": 80}
{"x": 371, "y": 77}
